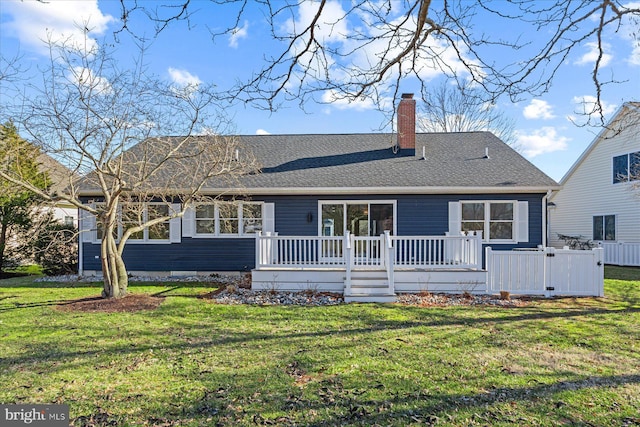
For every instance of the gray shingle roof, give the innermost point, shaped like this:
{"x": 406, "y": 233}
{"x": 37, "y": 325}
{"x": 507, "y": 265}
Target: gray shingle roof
{"x": 367, "y": 161}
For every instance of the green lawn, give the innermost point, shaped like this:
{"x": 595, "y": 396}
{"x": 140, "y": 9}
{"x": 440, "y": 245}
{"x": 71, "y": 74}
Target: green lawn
{"x": 570, "y": 361}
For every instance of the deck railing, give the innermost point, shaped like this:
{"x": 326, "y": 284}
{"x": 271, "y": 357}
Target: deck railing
{"x": 464, "y": 251}
{"x": 369, "y": 252}
{"x": 299, "y": 252}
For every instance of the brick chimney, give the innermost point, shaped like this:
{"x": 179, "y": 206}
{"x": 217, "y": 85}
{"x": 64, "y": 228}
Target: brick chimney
{"x": 407, "y": 122}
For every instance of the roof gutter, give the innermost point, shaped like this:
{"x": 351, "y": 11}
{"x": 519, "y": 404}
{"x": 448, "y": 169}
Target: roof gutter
{"x": 277, "y": 191}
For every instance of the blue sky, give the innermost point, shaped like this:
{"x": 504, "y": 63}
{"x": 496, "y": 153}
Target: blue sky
{"x": 183, "y": 53}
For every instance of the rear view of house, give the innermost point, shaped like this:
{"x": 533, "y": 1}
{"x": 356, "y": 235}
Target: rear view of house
{"x": 600, "y": 196}
{"x": 435, "y": 186}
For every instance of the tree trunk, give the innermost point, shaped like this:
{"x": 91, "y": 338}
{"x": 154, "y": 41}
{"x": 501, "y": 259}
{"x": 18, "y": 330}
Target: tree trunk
{"x": 113, "y": 269}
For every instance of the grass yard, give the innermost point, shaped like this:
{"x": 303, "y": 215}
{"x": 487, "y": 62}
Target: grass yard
{"x": 572, "y": 361}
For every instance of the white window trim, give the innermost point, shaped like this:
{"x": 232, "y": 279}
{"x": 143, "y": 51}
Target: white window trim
{"x": 240, "y": 235}
{"x": 520, "y": 220}
{"x": 145, "y": 231}
{"x": 627, "y": 181}
{"x": 92, "y": 233}
{"x": 357, "y": 202}
{"x": 615, "y": 220}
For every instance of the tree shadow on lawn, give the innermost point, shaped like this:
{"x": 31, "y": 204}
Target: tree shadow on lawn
{"x": 132, "y": 302}
{"x": 226, "y": 402}
{"x": 428, "y": 408}
{"x": 442, "y": 318}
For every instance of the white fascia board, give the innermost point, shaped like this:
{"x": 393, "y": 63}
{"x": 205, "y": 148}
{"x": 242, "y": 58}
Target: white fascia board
{"x": 617, "y": 116}
{"x": 380, "y": 190}
{"x": 362, "y": 190}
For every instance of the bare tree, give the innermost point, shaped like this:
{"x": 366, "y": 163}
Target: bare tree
{"x": 449, "y": 108}
{"x": 364, "y": 49}
{"x": 110, "y": 127}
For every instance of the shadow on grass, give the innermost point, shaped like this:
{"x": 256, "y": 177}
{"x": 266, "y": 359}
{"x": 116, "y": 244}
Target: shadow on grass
{"x": 372, "y": 325}
{"x": 335, "y": 404}
{"x": 9, "y": 283}
{"x": 428, "y": 408}
{"x": 48, "y": 303}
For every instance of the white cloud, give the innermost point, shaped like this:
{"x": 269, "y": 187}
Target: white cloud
{"x": 61, "y": 20}
{"x": 586, "y": 105}
{"x": 540, "y": 141}
{"x": 538, "y": 109}
{"x": 593, "y": 52}
{"x": 183, "y": 78}
{"x": 628, "y": 30}
{"x": 87, "y": 78}
{"x": 237, "y": 34}
{"x": 330, "y": 28}
{"x": 331, "y": 97}
{"x": 262, "y": 132}
{"x": 634, "y": 58}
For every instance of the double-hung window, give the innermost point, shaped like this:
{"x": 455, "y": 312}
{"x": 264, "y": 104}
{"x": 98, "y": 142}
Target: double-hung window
{"x": 228, "y": 219}
{"x": 496, "y": 220}
{"x": 134, "y": 215}
{"x": 604, "y": 227}
{"x": 626, "y": 167}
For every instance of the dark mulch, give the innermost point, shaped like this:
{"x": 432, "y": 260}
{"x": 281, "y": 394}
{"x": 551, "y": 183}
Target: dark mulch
{"x": 128, "y": 304}
{"x": 11, "y": 275}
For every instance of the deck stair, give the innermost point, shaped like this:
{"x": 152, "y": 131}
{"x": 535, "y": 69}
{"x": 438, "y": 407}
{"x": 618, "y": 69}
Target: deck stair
{"x": 369, "y": 286}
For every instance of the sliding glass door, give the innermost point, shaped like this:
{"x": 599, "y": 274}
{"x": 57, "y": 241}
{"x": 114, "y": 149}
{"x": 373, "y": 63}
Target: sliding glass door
{"x": 360, "y": 218}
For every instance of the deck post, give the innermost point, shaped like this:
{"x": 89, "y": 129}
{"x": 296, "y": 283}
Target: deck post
{"x": 347, "y": 260}
{"x": 390, "y": 262}
{"x": 478, "y": 261}
{"x": 490, "y": 273}
{"x": 258, "y": 249}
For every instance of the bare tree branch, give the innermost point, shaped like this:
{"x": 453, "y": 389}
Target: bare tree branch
{"x": 365, "y": 49}
{"x": 110, "y": 127}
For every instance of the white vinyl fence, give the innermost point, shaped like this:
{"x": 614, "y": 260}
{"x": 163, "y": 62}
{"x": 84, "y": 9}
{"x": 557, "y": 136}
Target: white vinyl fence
{"x": 546, "y": 272}
{"x": 621, "y": 253}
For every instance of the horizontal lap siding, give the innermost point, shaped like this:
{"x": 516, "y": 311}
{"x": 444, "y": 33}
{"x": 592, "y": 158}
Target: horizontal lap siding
{"x": 429, "y": 215}
{"x": 190, "y": 255}
{"x": 417, "y": 215}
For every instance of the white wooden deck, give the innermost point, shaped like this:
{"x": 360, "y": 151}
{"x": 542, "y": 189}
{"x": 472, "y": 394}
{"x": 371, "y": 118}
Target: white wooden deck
{"x": 370, "y": 268}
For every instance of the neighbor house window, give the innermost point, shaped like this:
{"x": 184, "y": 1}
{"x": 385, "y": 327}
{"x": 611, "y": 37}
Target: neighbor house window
{"x": 494, "y": 219}
{"x": 604, "y": 227}
{"x": 626, "y": 167}
{"x": 228, "y": 219}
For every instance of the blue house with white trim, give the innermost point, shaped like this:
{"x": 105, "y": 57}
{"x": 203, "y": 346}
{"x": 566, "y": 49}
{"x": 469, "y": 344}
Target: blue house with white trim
{"x": 326, "y": 188}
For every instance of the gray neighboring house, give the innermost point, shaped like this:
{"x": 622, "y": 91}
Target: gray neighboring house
{"x": 59, "y": 175}
{"x": 407, "y": 184}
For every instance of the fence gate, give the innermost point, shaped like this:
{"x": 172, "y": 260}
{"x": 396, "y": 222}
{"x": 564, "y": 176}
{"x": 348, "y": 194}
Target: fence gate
{"x": 546, "y": 272}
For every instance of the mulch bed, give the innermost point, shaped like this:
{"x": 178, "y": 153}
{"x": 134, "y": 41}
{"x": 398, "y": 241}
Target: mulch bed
{"x": 128, "y": 304}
